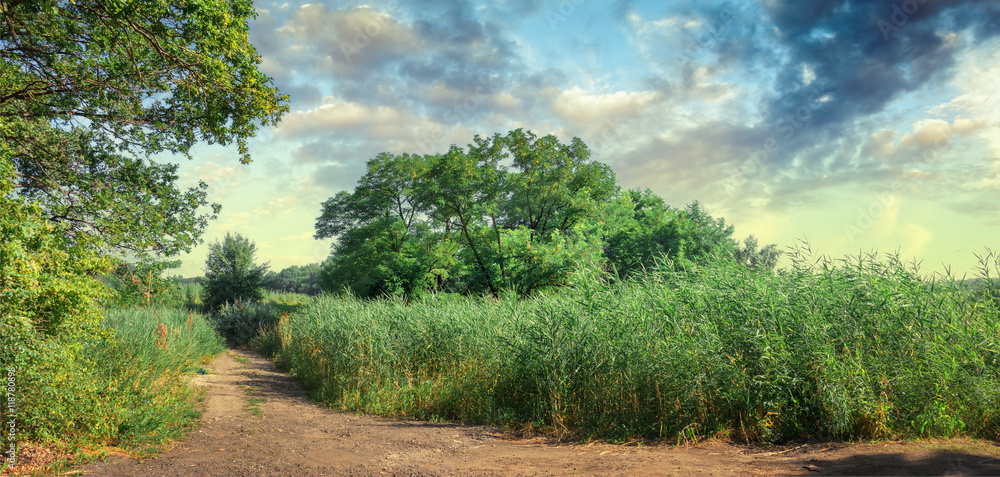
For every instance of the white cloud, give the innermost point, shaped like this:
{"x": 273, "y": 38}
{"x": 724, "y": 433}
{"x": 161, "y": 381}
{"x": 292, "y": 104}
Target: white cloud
{"x": 353, "y": 39}
{"x": 592, "y": 110}
{"x": 334, "y": 115}
{"x": 927, "y": 135}
{"x": 978, "y": 78}
{"x": 936, "y": 133}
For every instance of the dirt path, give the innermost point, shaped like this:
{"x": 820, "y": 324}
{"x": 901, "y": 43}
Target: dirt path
{"x": 286, "y": 434}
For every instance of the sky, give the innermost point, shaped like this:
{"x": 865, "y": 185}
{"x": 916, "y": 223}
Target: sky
{"x": 853, "y": 125}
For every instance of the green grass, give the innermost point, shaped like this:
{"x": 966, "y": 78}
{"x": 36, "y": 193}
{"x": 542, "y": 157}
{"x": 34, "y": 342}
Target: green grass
{"x": 252, "y": 405}
{"x": 124, "y": 387}
{"x": 854, "y": 348}
{"x": 288, "y": 302}
{"x": 150, "y": 397}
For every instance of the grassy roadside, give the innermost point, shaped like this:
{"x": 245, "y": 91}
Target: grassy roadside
{"x": 850, "y": 349}
{"x": 121, "y": 390}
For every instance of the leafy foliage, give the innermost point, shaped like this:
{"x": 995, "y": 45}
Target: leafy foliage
{"x": 381, "y": 258}
{"x": 386, "y": 245}
{"x": 684, "y": 236}
{"x": 139, "y": 283}
{"x": 509, "y": 212}
{"x": 238, "y": 323}
{"x": 515, "y": 212}
{"x": 231, "y": 273}
{"x": 80, "y": 376}
{"x": 764, "y": 258}
{"x": 90, "y": 89}
{"x": 48, "y": 289}
{"x": 552, "y": 195}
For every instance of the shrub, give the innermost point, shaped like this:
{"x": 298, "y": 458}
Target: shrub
{"x": 238, "y": 323}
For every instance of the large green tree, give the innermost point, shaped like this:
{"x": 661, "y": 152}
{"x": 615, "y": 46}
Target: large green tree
{"x": 90, "y": 89}
{"x": 657, "y": 231}
{"x": 508, "y": 212}
{"x": 385, "y": 242}
{"x": 232, "y": 273}
{"x": 530, "y": 224}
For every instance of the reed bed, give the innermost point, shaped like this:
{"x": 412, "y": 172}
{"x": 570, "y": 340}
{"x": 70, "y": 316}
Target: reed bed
{"x": 863, "y": 347}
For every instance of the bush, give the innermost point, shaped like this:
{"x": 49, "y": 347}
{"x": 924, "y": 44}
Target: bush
{"x": 120, "y": 387}
{"x": 238, "y": 323}
{"x": 48, "y": 310}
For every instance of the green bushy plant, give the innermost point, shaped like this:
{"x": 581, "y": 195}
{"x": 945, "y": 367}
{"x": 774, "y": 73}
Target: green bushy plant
{"x": 48, "y": 309}
{"x": 238, "y": 323}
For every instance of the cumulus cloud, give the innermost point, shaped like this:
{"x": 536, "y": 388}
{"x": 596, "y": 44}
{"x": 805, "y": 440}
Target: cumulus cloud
{"x": 926, "y": 138}
{"x": 397, "y": 54}
{"x": 349, "y": 41}
{"x": 591, "y": 110}
{"x": 341, "y": 117}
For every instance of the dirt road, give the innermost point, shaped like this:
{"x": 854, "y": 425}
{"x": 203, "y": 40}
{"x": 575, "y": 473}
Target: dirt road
{"x": 258, "y": 421}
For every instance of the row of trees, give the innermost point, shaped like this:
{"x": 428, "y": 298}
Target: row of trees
{"x": 516, "y": 212}
{"x": 232, "y": 273}
{"x": 295, "y": 279}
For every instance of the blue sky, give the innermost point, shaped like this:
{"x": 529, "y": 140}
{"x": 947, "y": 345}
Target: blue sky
{"x": 855, "y": 125}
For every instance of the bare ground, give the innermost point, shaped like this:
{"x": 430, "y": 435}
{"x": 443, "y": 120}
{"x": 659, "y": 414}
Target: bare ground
{"x": 287, "y": 434}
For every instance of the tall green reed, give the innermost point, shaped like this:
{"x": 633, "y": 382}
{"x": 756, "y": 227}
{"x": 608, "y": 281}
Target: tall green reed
{"x": 857, "y": 347}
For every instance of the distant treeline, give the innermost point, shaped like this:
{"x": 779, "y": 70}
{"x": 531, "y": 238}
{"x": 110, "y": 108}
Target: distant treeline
{"x": 294, "y": 279}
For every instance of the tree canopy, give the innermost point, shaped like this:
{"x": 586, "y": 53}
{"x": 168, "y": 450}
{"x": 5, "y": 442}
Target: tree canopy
{"x": 232, "y": 274}
{"x": 89, "y": 90}
{"x": 517, "y": 212}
